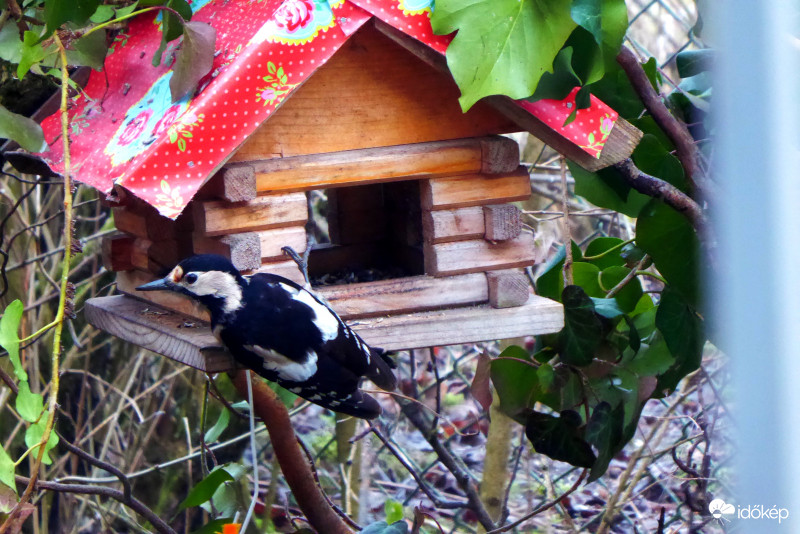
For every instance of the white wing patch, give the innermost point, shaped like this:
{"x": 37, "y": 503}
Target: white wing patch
{"x": 287, "y": 369}
{"x": 325, "y": 320}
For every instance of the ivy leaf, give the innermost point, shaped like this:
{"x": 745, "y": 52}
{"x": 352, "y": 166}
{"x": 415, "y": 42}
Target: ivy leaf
{"x": 89, "y": 51}
{"x": 34, "y": 435}
{"x": 502, "y": 46}
{"x": 630, "y": 294}
{"x": 516, "y": 382}
{"x": 9, "y": 339}
{"x": 608, "y": 308}
{"x": 691, "y": 62}
{"x": 583, "y": 331}
{"x": 606, "y": 20}
{"x": 32, "y": 52}
{"x": 606, "y": 189}
{"x": 599, "y": 246}
{"x": 604, "y": 431}
{"x": 57, "y": 12}
{"x": 682, "y": 329}
{"x": 550, "y": 283}
{"x": 173, "y": 25}
{"x": 393, "y": 511}
{"x": 29, "y": 405}
{"x": 219, "y": 427}
{"x": 7, "y": 469}
{"x": 653, "y": 157}
{"x": 194, "y": 60}
{"x": 10, "y": 44}
{"x": 560, "y": 438}
{"x": 102, "y": 14}
{"x": 652, "y": 360}
{"x": 556, "y": 85}
{"x": 382, "y": 527}
{"x": 670, "y": 240}
{"x": 204, "y": 489}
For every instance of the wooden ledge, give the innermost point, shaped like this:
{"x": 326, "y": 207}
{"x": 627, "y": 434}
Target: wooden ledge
{"x": 189, "y": 341}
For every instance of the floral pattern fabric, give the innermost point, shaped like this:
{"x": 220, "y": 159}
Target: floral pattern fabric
{"x": 126, "y": 130}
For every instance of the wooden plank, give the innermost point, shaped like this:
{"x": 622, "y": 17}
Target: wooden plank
{"x": 508, "y": 289}
{"x": 218, "y": 217}
{"x": 152, "y": 227}
{"x": 244, "y": 250}
{"x": 235, "y": 183}
{"x": 619, "y": 146}
{"x": 474, "y": 190}
{"x": 502, "y": 221}
{"x": 128, "y": 281}
{"x": 479, "y": 255}
{"x": 116, "y": 252}
{"x": 156, "y": 257}
{"x": 444, "y": 226}
{"x": 273, "y": 240}
{"x": 177, "y": 336}
{"x": 286, "y": 268}
{"x": 490, "y": 155}
{"x": 375, "y": 106}
{"x": 169, "y": 335}
{"x": 405, "y": 295}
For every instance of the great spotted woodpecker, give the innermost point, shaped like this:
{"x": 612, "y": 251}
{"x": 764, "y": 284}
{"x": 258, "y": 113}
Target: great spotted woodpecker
{"x": 284, "y": 333}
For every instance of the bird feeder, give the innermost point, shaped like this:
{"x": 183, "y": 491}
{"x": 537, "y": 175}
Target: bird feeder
{"x": 352, "y": 98}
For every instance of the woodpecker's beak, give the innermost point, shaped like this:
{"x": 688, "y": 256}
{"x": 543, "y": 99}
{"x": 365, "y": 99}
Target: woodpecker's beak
{"x": 157, "y": 285}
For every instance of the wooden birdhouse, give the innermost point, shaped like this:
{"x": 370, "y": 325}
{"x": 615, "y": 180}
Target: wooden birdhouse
{"x": 339, "y": 119}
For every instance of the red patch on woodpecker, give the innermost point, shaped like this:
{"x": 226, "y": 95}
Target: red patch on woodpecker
{"x": 176, "y": 275}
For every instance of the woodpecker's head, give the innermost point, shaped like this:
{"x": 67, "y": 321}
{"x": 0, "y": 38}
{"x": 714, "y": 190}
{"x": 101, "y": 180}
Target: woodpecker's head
{"x": 209, "y": 278}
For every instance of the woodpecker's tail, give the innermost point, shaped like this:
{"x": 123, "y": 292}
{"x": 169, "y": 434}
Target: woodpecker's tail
{"x": 380, "y": 371}
{"x": 358, "y": 404}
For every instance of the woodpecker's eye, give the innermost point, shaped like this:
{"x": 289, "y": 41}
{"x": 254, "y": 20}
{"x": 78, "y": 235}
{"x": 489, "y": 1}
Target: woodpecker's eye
{"x": 190, "y": 278}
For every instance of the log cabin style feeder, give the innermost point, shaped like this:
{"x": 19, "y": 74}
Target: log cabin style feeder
{"x": 349, "y": 98}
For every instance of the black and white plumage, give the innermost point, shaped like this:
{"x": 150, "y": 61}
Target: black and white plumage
{"x": 284, "y": 333}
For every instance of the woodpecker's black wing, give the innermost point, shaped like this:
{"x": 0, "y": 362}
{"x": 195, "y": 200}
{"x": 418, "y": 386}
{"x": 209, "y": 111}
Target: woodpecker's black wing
{"x": 290, "y": 336}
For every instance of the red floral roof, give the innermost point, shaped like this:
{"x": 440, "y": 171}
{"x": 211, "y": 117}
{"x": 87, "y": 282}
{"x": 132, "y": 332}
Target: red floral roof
{"x": 126, "y": 129}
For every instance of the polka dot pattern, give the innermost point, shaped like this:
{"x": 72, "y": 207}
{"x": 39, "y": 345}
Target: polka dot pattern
{"x": 126, "y": 131}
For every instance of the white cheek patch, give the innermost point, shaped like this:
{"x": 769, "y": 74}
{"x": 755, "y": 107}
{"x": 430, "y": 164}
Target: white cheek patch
{"x": 287, "y": 369}
{"x": 325, "y": 320}
{"x": 218, "y": 284}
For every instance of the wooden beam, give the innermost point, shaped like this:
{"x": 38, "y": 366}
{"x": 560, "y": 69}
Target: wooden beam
{"x": 460, "y": 224}
{"x": 272, "y": 241}
{"x": 490, "y": 155}
{"x": 155, "y": 256}
{"x": 405, "y": 295}
{"x": 479, "y": 255}
{"x": 177, "y": 336}
{"x": 244, "y": 250}
{"x": 619, "y": 146}
{"x": 475, "y": 190}
{"x": 508, "y": 289}
{"x": 218, "y": 217}
{"x": 116, "y": 252}
{"x": 191, "y": 343}
{"x": 502, "y": 221}
{"x": 235, "y": 183}
{"x": 149, "y": 226}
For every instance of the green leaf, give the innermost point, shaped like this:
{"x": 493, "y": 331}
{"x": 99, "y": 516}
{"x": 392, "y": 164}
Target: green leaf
{"x": 630, "y": 294}
{"x": 587, "y": 276}
{"x": 127, "y": 10}
{"x": 10, "y": 43}
{"x": 502, "y": 46}
{"x": 57, "y": 12}
{"x": 34, "y": 435}
{"x": 194, "y": 60}
{"x": 550, "y": 283}
{"x": 214, "y": 526}
{"x": 670, "y": 240}
{"x": 32, "y": 52}
{"x": 691, "y": 62}
{"x": 606, "y": 189}
{"x": 89, "y": 51}
{"x": 515, "y": 381}
{"x": 29, "y": 405}
{"x": 583, "y": 331}
{"x": 9, "y": 339}
{"x": 556, "y": 85}
{"x": 7, "y": 470}
{"x": 222, "y": 423}
{"x": 604, "y": 431}
{"x": 606, "y": 20}
{"x": 652, "y": 360}
{"x": 653, "y": 158}
{"x": 173, "y": 25}
{"x": 204, "y": 489}
{"x": 381, "y": 527}
{"x": 560, "y": 438}
{"x": 650, "y": 68}
{"x": 599, "y": 246}
{"x": 682, "y": 329}
{"x": 393, "y": 511}
{"x": 608, "y": 308}
{"x": 102, "y": 14}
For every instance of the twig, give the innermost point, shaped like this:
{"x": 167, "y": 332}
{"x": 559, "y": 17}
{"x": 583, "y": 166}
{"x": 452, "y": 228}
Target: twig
{"x": 542, "y": 508}
{"x": 135, "y": 504}
{"x": 567, "y": 269}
